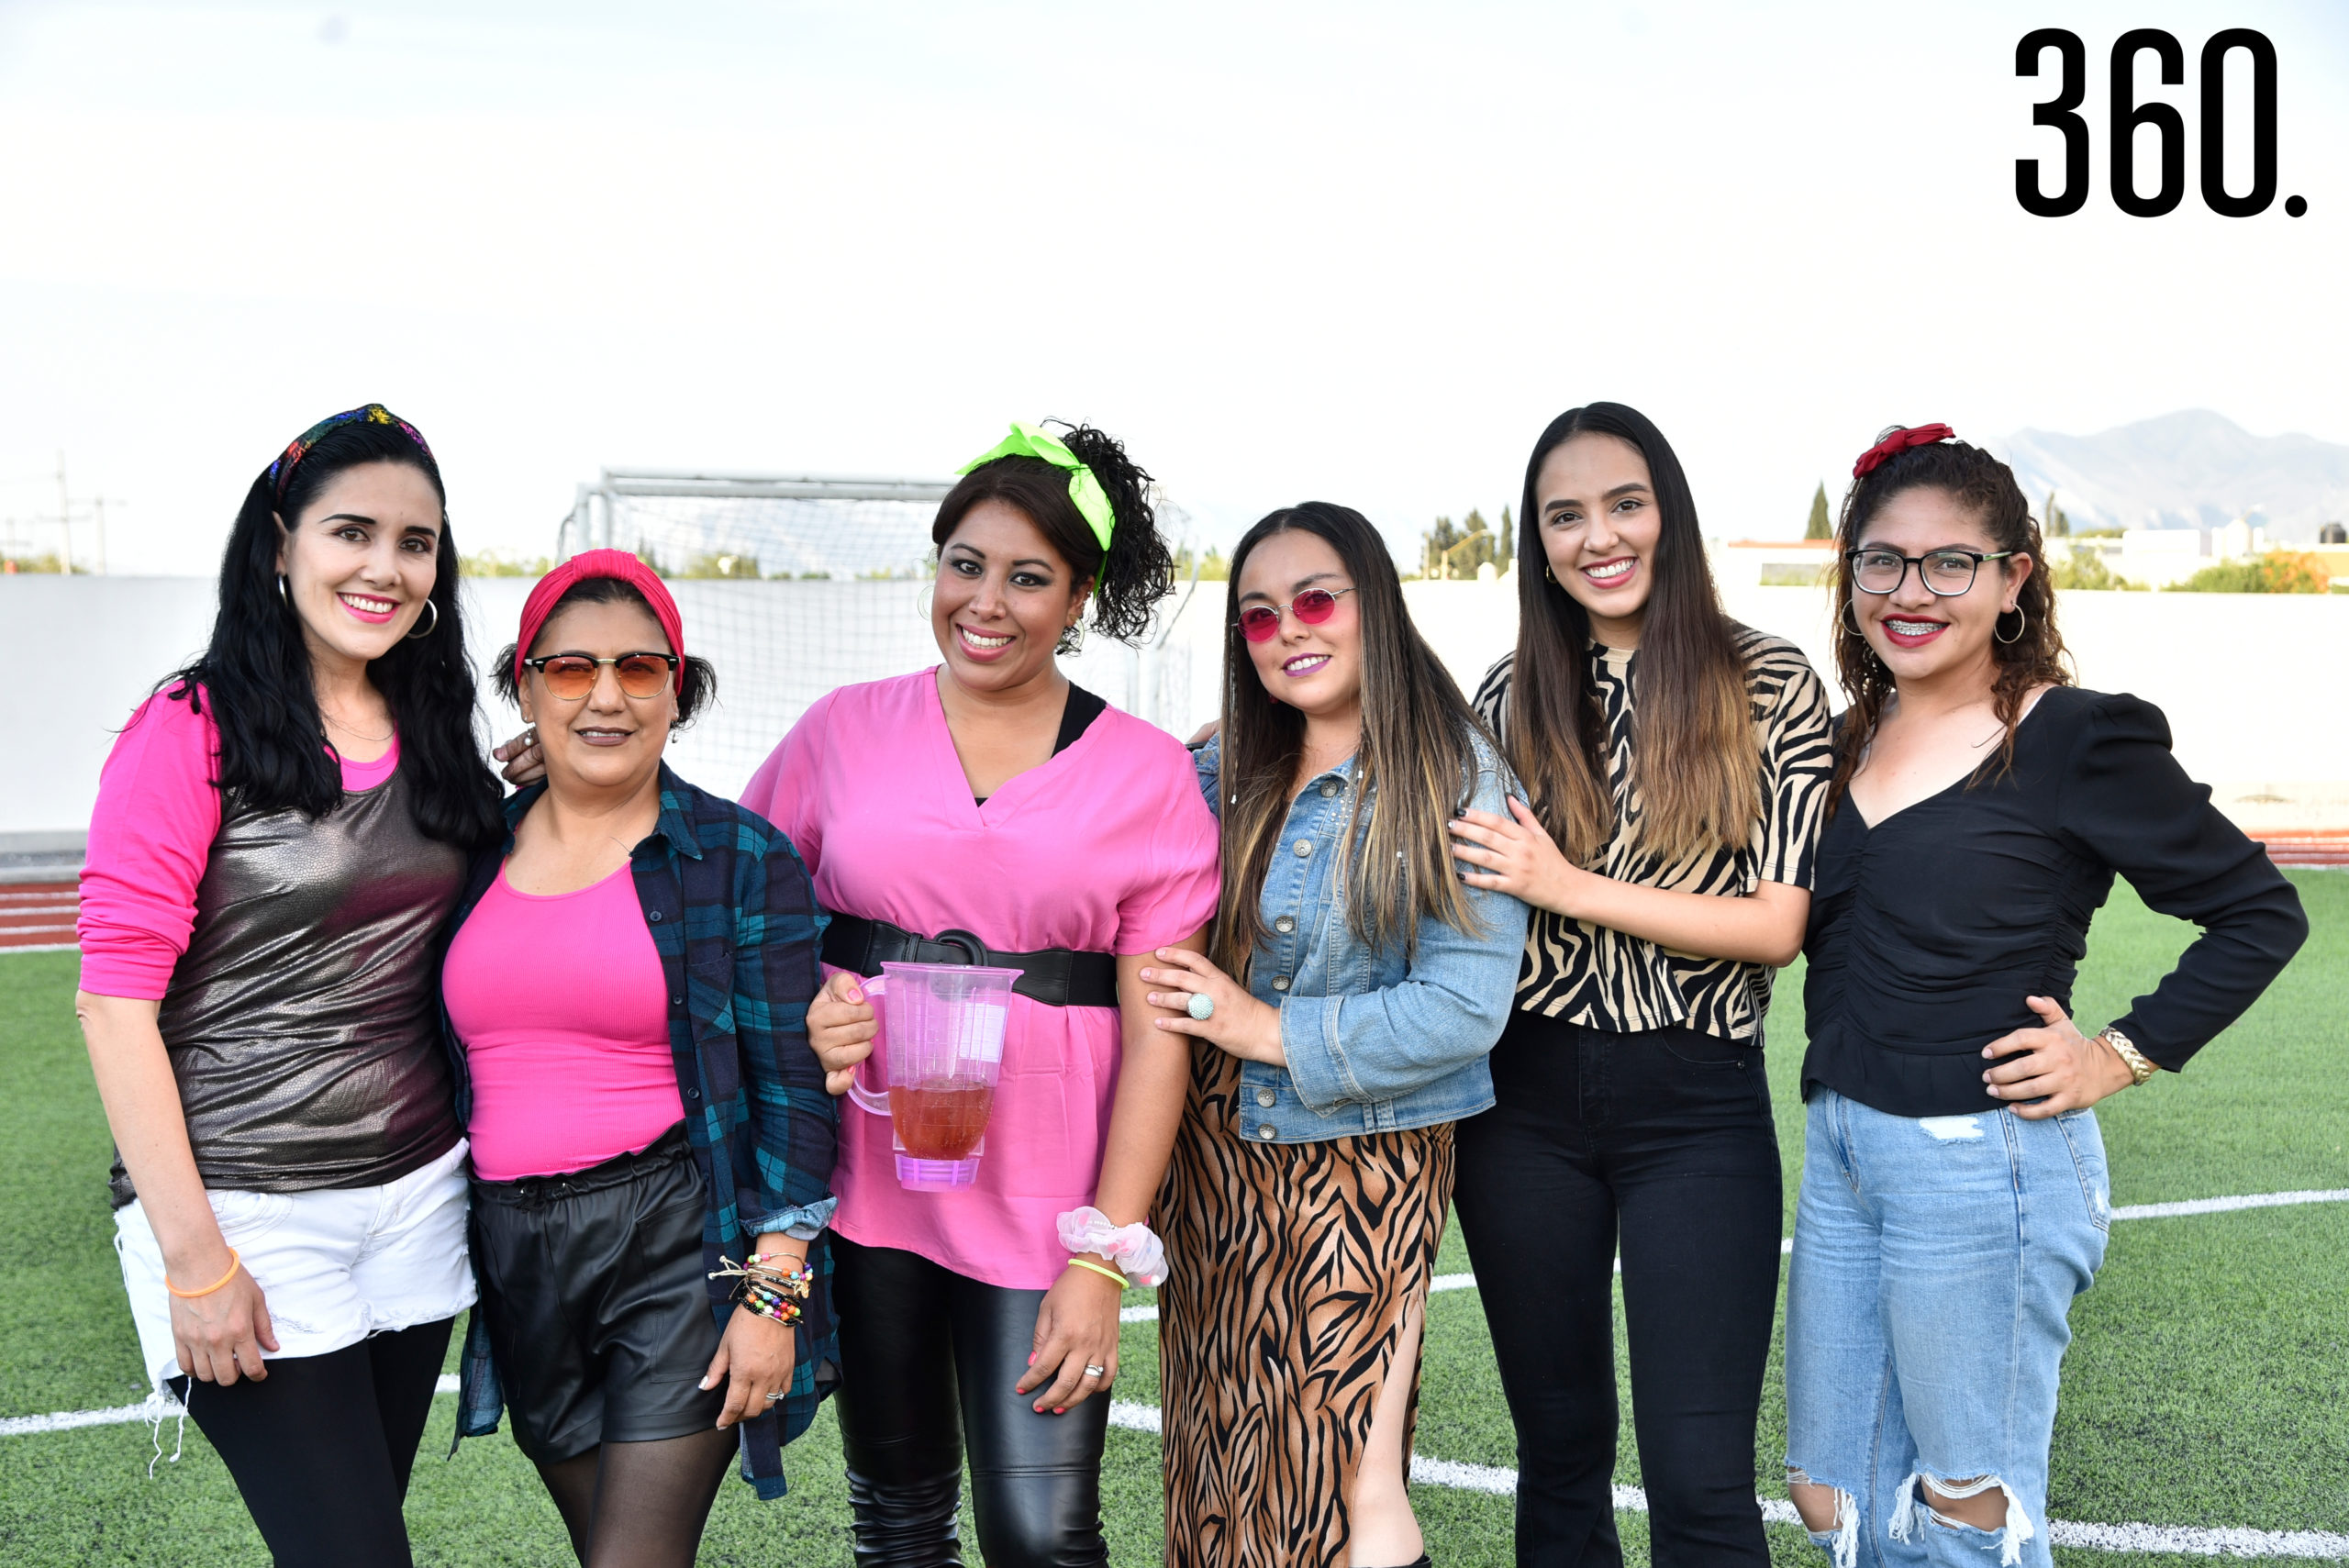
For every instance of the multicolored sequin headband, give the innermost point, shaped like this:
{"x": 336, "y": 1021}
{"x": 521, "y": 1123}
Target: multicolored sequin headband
{"x": 281, "y": 472}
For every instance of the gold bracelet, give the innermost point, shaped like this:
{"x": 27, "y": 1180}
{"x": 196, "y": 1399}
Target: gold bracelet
{"x": 2140, "y": 1067}
{"x": 1104, "y": 1271}
{"x": 236, "y": 1261}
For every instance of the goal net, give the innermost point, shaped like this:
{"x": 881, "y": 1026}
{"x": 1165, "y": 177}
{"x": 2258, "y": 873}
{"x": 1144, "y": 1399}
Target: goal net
{"x": 791, "y": 586}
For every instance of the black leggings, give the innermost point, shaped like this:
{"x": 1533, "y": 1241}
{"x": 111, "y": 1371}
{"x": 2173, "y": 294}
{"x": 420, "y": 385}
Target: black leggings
{"x": 917, "y": 1342}
{"x": 1662, "y": 1142}
{"x": 321, "y": 1448}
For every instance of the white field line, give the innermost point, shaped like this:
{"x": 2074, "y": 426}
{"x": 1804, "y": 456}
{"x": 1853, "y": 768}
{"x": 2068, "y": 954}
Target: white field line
{"x": 2126, "y": 1211}
{"x": 42, "y": 946}
{"x": 1498, "y": 1481}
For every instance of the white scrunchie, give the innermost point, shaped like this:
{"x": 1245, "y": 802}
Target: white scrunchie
{"x": 1133, "y": 1247}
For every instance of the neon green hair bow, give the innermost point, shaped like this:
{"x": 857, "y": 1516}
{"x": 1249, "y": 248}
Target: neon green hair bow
{"x": 1092, "y": 501}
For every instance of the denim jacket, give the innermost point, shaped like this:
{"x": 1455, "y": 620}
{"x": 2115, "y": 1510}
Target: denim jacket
{"x": 1375, "y": 1042}
{"x": 734, "y": 918}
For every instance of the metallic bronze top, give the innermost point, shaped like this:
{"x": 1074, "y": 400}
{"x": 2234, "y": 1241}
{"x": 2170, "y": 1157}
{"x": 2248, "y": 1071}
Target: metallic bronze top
{"x": 304, "y": 1020}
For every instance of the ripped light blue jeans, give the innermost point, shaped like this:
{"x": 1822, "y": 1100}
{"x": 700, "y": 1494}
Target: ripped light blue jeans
{"x": 1935, "y": 1261}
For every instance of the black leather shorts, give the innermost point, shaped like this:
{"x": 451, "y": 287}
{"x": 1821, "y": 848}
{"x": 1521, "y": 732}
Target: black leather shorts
{"x": 592, "y": 1286}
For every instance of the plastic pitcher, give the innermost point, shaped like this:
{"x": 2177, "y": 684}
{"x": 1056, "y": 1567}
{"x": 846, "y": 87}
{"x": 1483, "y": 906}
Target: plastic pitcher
{"x": 941, "y": 1027}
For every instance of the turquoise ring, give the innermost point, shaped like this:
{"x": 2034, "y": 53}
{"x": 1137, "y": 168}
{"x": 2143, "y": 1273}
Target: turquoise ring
{"x": 1201, "y": 1006}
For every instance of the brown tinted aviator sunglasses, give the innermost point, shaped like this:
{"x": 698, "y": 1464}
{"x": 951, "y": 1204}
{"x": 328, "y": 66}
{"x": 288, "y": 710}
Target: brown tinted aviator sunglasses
{"x": 569, "y": 677}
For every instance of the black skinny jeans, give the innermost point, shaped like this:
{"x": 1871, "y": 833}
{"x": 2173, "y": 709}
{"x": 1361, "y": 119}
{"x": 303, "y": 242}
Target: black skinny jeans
{"x": 927, "y": 1360}
{"x": 1662, "y": 1143}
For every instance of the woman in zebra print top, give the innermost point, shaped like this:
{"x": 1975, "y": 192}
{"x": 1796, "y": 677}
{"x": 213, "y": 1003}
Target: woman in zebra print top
{"x": 1677, "y": 763}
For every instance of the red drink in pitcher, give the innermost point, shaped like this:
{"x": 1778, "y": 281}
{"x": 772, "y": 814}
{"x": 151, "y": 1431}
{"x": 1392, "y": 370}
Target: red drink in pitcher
{"x": 940, "y": 1119}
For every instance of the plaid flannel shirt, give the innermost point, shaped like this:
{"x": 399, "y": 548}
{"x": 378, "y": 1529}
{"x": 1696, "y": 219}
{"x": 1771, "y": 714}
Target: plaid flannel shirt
{"x": 734, "y": 918}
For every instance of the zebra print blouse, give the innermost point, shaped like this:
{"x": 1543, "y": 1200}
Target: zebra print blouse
{"x": 1605, "y": 979}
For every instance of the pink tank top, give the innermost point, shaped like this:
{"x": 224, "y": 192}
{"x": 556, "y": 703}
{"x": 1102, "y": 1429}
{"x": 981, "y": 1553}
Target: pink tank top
{"x": 563, "y": 1012}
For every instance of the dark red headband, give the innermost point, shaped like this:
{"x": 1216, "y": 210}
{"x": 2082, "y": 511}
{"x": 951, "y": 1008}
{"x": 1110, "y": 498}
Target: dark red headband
{"x": 589, "y": 563}
{"x": 1899, "y": 440}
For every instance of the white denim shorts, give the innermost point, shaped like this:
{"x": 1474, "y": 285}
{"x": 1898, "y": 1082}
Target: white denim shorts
{"x": 334, "y": 1266}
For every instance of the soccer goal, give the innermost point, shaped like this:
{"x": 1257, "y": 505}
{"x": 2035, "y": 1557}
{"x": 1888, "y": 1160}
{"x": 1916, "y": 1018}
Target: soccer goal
{"x": 794, "y": 585}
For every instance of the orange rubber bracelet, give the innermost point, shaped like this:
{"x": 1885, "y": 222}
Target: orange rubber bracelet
{"x": 235, "y": 1263}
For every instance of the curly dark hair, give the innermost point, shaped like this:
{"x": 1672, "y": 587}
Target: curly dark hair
{"x": 701, "y": 676}
{"x": 1987, "y": 488}
{"x": 1138, "y": 569}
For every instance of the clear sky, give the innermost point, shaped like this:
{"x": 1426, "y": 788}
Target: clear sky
{"x": 1356, "y": 252}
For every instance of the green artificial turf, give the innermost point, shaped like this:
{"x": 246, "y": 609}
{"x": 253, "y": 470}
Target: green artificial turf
{"x": 2208, "y": 1385}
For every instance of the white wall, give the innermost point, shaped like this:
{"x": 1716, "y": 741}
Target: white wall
{"x": 2253, "y": 684}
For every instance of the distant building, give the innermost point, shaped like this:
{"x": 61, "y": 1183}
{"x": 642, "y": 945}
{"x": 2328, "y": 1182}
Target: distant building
{"x": 2332, "y": 533}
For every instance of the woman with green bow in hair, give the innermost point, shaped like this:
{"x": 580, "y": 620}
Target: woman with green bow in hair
{"x": 988, "y": 812}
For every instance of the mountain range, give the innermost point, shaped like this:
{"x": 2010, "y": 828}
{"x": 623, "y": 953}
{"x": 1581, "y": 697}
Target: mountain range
{"x": 2192, "y": 469}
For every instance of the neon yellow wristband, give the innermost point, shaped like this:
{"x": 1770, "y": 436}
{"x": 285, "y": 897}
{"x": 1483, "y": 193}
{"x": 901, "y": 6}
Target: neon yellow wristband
{"x": 1103, "y": 1270}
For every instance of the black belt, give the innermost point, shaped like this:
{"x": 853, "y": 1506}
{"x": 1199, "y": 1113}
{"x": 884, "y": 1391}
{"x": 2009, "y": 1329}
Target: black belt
{"x": 1058, "y": 977}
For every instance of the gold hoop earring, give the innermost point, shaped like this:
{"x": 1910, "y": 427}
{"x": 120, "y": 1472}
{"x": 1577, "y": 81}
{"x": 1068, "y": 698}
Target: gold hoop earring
{"x": 2024, "y": 621}
{"x": 429, "y": 627}
{"x": 1549, "y": 574}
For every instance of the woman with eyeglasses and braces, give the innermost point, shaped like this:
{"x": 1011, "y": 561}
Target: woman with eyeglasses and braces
{"x": 1954, "y": 1194}
{"x": 1355, "y": 987}
{"x": 1675, "y": 763}
{"x": 627, "y": 990}
{"x": 280, "y": 834}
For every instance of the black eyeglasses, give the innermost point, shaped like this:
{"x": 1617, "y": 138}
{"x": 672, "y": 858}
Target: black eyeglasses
{"x": 1945, "y": 573}
{"x": 571, "y": 676}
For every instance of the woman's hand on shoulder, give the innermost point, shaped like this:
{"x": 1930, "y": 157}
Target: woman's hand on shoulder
{"x": 1517, "y": 856}
{"x": 2055, "y": 1065}
{"x": 525, "y": 762}
{"x": 1236, "y": 1023}
{"x": 840, "y": 1026}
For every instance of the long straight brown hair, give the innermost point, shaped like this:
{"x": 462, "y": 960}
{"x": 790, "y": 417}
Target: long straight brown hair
{"x": 1414, "y": 770}
{"x": 1696, "y": 759}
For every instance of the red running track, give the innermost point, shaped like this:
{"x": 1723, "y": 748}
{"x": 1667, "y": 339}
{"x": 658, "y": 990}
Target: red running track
{"x": 37, "y": 914}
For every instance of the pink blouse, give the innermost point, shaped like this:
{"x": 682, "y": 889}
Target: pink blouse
{"x": 1107, "y": 848}
{"x": 563, "y": 1012}
{"x": 150, "y": 836}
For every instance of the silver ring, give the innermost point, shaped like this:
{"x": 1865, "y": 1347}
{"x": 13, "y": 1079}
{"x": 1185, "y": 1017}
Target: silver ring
{"x": 1201, "y": 1006}
{"x": 777, "y": 1395}
{"x": 1096, "y": 1371}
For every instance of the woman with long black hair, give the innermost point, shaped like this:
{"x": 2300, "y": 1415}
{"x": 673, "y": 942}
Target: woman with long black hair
{"x": 1675, "y": 761}
{"x": 280, "y": 831}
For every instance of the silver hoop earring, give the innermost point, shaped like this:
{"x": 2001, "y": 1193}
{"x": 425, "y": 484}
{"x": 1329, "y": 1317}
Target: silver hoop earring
{"x": 429, "y": 627}
{"x": 2023, "y": 626}
{"x": 283, "y": 596}
{"x": 1845, "y": 620}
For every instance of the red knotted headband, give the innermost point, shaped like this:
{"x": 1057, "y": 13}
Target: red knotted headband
{"x": 1896, "y": 440}
{"x": 589, "y": 563}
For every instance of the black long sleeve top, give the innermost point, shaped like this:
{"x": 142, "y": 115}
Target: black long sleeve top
{"x": 1929, "y": 929}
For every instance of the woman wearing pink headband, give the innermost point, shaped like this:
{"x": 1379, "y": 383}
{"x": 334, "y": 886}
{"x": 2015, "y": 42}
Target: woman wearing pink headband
{"x": 626, "y": 989}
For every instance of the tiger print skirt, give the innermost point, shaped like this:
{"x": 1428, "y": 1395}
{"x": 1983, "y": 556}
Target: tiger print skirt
{"x": 1291, "y": 1267}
